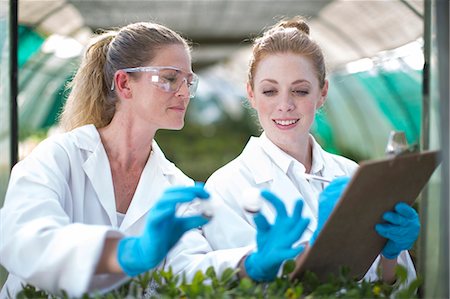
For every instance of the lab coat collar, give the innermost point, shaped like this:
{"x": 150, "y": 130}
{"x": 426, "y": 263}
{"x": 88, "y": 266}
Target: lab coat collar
{"x": 277, "y": 155}
{"x": 156, "y": 171}
{"x": 86, "y": 137}
{"x": 167, "y": 167}
{"x": 256, "y": 161}
{"x": 322, "y": 158}
{"x": 284, "y": 160}
{"x": 258, "y": 148}
{"x": 97, "y": 169}
{"x": 265, "y": 169}
{"x": 317, "y": 157}
{"x": 261, "y": 156}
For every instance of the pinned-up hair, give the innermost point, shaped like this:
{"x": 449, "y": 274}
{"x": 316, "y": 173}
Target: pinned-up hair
{"x": 291, "y": 35}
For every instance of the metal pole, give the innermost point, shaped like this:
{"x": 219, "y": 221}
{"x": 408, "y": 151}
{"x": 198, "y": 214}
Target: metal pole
{"x": 442, "y": 32}
{"x": 14, "y": 90}
{"x": 425, "y": 143}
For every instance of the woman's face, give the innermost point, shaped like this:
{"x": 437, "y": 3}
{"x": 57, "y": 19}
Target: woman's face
{"x": 286, "y": 95}
{"x": 157, "y": 108}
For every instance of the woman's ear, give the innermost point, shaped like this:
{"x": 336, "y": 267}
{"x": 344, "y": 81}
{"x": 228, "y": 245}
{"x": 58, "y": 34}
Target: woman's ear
{"x": 251, "y": 95}
{"x": 122, "y": 84}
{"x": 323, "y": 95}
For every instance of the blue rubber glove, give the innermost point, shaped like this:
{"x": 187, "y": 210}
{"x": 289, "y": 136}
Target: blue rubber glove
{"x": 163, "y": 230}
{"x": 327, "y": 201}
{"x": 402, "y": 230}
{"x": 274, "y": 242}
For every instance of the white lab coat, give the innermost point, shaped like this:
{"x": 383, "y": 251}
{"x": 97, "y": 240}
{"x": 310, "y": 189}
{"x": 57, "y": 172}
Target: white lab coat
{"x": 232, "y": 227}
{"x": 60, "y": 207}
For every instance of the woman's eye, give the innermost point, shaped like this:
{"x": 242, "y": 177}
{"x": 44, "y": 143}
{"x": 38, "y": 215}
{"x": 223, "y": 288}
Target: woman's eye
{"x": 269, "y": 92}
{"x": 300, "y": 92}
{"x": 170, "y": 79}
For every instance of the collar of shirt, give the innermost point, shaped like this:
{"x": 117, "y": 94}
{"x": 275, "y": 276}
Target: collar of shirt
{"x": 277, "y": 155}
{"x": 317, "y": 158}
{"x": 285, "y": 161}
{"x": 294, "y": 170}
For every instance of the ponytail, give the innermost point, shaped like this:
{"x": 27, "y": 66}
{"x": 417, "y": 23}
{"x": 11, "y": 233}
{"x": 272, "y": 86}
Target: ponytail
{"x": 88, "y": 101}
{"x": 91, "y": 100}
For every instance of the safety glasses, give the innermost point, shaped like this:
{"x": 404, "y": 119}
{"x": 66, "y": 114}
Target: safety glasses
{"x": 167, "y": 78}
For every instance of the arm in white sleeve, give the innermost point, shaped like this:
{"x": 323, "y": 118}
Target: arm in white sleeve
{"x": 40, "y": 244}
{"x": 221, "y": 243}
{"x": 193, "y": 253}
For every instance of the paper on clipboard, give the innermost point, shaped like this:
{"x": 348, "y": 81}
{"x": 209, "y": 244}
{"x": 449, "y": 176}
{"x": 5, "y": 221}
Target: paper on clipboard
{"x": 348, "y": 237}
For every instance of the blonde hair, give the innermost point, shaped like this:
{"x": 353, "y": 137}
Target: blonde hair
{"x": 91, "y": 100}
{"x": 290, "y": 35}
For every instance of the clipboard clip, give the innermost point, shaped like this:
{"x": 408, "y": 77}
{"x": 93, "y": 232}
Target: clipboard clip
{"x": 397, "y": 145}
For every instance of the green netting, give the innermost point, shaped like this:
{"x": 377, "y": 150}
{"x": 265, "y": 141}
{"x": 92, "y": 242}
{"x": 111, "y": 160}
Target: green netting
{"x": 323, "y": 131}
{"x": 29, "y": 43}
{"x": 399, "y": 97}
{"x": 41, "y": 83}
{"x": 59, "y": 99}
{"x": 362, "y": 109}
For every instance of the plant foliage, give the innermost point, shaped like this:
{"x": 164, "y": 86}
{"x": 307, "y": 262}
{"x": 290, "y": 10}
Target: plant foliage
{"x": 164, "y": 284}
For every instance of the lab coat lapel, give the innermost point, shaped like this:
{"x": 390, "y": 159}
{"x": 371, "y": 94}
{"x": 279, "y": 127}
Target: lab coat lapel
{"x": 330, "y": 168}
{"x": 155, "y": 179}
{"x": 98, "y": 170}
{"x": 151, "y": 185}
{"x": 270, "y": 176}
{"x": 257, "y": 162}
{"x": 283, "y": 187}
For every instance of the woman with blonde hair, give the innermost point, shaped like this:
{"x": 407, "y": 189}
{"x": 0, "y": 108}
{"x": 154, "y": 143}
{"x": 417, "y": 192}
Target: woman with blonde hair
{"x": 286, "y": 86}
{"x": 95, "y": 205}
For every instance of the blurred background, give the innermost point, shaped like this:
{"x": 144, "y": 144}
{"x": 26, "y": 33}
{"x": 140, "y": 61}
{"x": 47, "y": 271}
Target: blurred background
{"x": 387, "y": 66}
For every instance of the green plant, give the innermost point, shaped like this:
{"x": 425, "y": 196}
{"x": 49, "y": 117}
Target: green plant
{"x": 164, "y": 284}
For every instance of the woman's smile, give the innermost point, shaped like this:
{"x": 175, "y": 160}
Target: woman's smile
{"x": 286, "y": 123}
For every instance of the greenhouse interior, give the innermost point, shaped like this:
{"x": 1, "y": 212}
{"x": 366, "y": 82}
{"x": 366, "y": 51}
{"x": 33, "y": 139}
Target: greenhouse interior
{"x": 387, "y": 67}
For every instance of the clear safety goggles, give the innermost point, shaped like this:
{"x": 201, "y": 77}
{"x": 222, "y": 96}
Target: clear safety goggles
{"x": 167, "y": 78}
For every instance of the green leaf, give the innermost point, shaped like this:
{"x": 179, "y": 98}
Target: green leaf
{"x": 288, "y": 267}
{"x": 246, "y": 284}
{"x": 401, "y": 274}
{"x": 208, "y": 286}
{"x": 198, "y": 278}
{"x": 210, "y": 272}
{"x": 228, "y": 274}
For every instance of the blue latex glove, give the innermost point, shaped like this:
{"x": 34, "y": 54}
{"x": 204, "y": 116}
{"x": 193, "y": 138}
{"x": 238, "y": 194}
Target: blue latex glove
{"x": 327, "y": 201}
{"x": 401, "y": 229}
{"x": 274, "y": 242}
{"x": 140, "y": 254}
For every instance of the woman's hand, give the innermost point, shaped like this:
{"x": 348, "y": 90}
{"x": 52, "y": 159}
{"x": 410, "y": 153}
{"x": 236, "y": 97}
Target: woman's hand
{"x": 401, "y": 228}
{"x": 327, "y": 201}
{"x": 275, "y": 242}
{"x": 162, "y": 231}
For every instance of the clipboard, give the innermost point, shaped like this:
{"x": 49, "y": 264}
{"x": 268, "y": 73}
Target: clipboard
{"x": 348, "y": 238}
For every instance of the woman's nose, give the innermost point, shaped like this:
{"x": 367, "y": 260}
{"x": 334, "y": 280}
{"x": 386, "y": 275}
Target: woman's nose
{"x": 286, "y": 103}
{"x": 184, "y": 89}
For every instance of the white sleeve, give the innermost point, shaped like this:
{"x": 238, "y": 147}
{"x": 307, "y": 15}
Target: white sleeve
{"x": 193, "y": 253}
{"x": 221, "y": 243}
{"x": 39, "y": 243}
